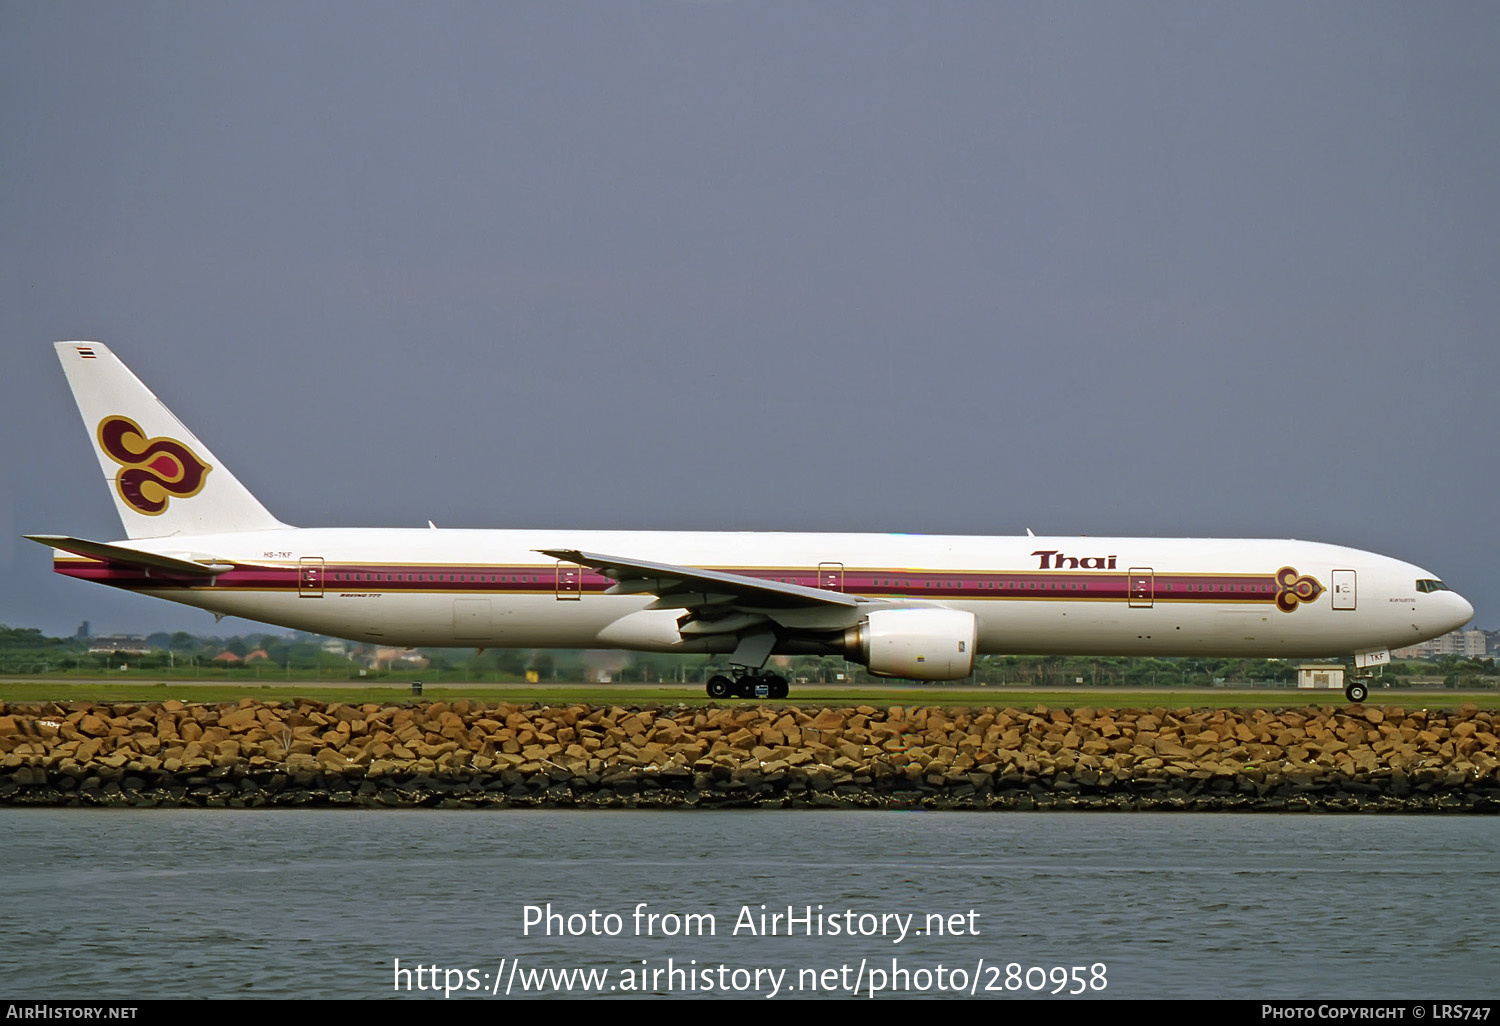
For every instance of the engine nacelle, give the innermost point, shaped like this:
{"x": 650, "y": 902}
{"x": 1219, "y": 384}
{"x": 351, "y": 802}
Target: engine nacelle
{"x": 923, "y": 644}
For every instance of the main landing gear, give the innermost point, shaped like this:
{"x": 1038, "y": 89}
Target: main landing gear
{"x": 748, "y": 685}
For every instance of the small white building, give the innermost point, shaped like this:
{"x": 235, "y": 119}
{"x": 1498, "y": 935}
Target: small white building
{"x": 131, "y": 644}
{"x": 1321, "y": 675}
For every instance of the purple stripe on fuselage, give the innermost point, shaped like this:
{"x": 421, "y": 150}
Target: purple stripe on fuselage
{"x": 536, "y": 580}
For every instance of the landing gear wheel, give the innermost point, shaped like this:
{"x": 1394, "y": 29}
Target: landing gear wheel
{"x": 777, "y": 685}
{"x": 1356, "y": 691}
{"x": 719, "y": 687}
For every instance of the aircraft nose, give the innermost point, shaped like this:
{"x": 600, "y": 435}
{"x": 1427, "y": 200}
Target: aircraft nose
{"x": 1463, "y": 611}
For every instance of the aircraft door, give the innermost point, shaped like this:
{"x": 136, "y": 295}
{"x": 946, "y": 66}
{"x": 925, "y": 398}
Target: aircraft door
{"x": 310, "y": 577}
{"x": 1142, "y": 587}
{"x": 1344, "y": 594}
{"x": 831, "y": 576}
{"x": 569, "y": 581}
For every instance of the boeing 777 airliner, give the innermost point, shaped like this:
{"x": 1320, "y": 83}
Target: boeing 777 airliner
{"x": 909, "y": 606}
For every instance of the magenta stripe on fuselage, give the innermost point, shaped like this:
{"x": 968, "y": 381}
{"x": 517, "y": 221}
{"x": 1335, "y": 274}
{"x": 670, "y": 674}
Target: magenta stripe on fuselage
{"x": 512, "y": 580}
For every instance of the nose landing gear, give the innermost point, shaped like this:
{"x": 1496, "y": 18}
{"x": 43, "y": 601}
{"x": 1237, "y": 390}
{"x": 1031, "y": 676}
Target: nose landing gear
{"x": 1357, "y": 690}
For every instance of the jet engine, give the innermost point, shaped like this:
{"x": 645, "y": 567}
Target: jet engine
{"x": 922, "y": 644}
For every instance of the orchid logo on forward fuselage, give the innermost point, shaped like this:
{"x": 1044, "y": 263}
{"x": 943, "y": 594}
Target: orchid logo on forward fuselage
{"x": 1293, "y": 589}
{"x": 152, "y": 470}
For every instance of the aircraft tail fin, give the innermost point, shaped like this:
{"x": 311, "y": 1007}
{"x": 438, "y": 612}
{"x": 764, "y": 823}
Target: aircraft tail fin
{"x": 163, "y": 479}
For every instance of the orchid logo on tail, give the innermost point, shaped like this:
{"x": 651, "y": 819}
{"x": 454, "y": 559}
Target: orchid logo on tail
{"x": 152, "y": 470}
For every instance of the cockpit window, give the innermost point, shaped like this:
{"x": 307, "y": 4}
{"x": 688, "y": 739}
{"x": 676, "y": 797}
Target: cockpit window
{"x": 1432, "y": 586}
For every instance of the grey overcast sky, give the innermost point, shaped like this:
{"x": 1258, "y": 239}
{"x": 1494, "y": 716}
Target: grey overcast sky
{"x": 1149, "y": 268}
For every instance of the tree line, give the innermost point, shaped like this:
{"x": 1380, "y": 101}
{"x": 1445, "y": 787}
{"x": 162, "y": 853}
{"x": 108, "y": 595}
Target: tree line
{"x": 27, "y": 651}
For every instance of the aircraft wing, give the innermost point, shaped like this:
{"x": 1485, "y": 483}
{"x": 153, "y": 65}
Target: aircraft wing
{"x": 681, "y": 587}
{"x": 723, "y": 603}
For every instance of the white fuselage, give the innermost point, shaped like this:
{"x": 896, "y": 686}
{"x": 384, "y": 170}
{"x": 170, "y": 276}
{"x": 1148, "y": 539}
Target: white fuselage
{"x": 1104, "y": 596}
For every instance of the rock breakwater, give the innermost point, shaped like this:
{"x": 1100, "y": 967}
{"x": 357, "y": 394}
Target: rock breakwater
{"x": 302, "y": 752}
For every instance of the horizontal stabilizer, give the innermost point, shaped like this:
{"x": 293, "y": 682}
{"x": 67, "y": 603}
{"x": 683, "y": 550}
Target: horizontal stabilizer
{"x": 131, "y": 557}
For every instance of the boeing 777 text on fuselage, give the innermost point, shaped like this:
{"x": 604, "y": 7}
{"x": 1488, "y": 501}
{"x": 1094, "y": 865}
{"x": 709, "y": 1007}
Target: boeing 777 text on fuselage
{"x": 913, "y": 606}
